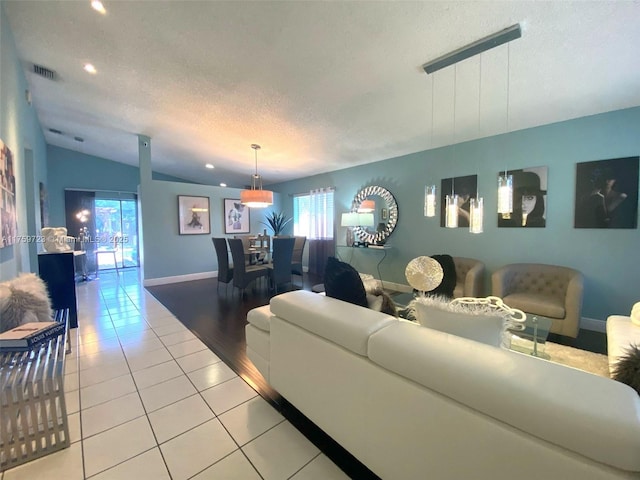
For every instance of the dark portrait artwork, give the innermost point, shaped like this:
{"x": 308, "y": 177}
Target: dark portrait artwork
{"x": 529, "y": 199}
{"x": 466, "y": 188}
{"x": 607, "y": 194}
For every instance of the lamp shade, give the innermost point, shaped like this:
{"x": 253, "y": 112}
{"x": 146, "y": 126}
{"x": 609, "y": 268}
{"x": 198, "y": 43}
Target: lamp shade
{"x": 256, "y": 198}
{"x": 349, "y": 219}
{"x": 355, "y": 219}
{"x": 367, "y": 206}
{"x": 365, "y": 219}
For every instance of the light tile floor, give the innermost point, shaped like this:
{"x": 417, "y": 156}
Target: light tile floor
{"x": 147, "y": 400}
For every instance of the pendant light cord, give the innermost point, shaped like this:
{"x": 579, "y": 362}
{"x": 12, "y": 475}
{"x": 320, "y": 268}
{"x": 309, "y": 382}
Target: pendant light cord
{"x": 455, "y": 77}
{"x": 479, "y": 107}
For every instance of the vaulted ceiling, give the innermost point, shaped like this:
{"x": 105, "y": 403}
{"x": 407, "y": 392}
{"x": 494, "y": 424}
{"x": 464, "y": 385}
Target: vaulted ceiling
{"x": 319, "y": 85}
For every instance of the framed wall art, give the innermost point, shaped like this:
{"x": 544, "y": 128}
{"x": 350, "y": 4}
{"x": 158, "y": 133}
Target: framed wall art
{"x": 529, "y": 198}
{"x": 8, "y": 216}
{"x": 193, "y": 215}
{"x": 236, "y": 217}
{"x": 607, "y": 194}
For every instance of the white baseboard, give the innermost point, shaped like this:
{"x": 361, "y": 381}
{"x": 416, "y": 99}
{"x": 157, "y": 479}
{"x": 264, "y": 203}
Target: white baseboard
{"x": 152, "y": 282}
{"x": 593, "y": 324}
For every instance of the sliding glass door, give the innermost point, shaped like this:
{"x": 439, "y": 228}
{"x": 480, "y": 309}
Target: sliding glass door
{"x": 105, "y": 225}
{"x": 116, "y": 232}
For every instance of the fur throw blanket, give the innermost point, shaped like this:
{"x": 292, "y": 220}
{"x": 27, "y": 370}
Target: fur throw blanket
{"x": 22, "y": 300}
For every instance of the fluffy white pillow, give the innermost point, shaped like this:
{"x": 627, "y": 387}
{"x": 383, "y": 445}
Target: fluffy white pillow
{"x": 635, "y": 314}
{"x": 22, "y": 300}
{"x": 475, "y": 322}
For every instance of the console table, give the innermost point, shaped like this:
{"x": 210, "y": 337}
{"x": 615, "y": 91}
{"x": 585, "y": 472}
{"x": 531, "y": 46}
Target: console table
{"x": 58, "y": 272}
{"x": 380, "y": 250}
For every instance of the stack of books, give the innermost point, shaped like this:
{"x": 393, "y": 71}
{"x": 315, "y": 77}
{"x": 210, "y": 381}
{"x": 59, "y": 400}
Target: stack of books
{"x": 30, "y": 335}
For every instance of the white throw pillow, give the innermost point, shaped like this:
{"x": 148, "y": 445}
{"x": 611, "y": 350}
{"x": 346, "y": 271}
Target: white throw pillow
{"x": 635, "y": 314}
{"x": 475, "y": 322}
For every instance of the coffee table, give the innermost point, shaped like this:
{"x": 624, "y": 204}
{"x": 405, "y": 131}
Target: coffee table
{"x": 532, "y": 338}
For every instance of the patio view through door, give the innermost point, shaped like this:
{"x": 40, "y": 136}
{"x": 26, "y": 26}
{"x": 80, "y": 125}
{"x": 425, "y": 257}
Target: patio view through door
{"x": 116, "y": 223}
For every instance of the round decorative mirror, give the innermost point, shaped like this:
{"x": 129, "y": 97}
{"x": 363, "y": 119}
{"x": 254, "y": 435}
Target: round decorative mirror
{"x": 382, "y": 204}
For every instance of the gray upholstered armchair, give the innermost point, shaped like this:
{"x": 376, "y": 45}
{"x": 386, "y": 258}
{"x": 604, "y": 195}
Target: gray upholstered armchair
{"x": 547, "y": 290}
{"x": 469, "y": 277}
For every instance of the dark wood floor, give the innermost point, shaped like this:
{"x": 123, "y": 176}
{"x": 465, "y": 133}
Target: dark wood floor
{"x": 217, "y": 315}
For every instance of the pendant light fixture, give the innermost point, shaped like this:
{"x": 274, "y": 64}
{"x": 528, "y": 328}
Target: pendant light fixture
{"x": 430, "y": 191}
{"x": 476, "y": 215}
{"x": 476, "y": 205}
{"x": 367, "y": 206}
{"x": 256, "y": 197}
{"x": 451, "y": 206}
{"x": 451, "y": 211}
{"x": 505, "y": 194}
{"x": 505, "y": 182}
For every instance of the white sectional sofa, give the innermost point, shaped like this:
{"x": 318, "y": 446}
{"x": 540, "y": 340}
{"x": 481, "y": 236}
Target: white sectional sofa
{"x": 411, "y": 402}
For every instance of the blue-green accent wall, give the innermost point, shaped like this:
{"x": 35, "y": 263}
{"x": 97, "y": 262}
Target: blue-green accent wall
{"x": 21, "y": 132}
{"x": 69, "y": 169}
{"x": 166, "y": 252}
{"x": 609, "y": 258}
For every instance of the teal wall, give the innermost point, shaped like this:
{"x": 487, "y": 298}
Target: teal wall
{"x": 21, "y": 131}
{"x": 69, "y": 169}
{"x": 166, "y": 252}
{"x": 609, "y": 259}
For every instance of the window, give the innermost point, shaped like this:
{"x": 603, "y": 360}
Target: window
{"x": 313, "y": 214}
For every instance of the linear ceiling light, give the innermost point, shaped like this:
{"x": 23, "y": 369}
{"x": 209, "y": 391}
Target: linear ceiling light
{"x": 474, "y": 48}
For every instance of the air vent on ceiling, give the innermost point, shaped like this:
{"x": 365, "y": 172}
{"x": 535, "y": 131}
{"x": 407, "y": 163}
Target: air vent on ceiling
{"x": 44, "y": 72}
{"x": 56, "y": 131}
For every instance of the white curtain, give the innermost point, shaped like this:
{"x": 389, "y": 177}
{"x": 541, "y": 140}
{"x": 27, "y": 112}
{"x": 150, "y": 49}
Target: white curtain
{"x": 321, "y": 213}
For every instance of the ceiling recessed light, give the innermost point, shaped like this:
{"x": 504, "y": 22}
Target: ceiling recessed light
{"x": 98, "y": 6}
{"x": 90, "y": 68}
{"x": 223, "y": 184}
{"x": 208, "y": 165}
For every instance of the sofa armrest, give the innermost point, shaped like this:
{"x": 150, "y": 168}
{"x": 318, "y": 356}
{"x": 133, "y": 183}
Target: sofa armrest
{"x": 473, "y": 281}
{"x": 573, "y": 305}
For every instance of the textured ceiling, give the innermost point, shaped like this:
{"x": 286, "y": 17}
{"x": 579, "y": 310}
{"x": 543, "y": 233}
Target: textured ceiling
{"x": 320, "y": 85}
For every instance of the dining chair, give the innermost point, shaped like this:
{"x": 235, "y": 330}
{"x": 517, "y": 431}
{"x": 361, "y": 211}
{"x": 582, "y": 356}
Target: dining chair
{"x": 246, "y": 245}
{"x": 296, "y": 260}
{"x": 280, "y": 267}
{"x": 244, "y": 274}
{"x": 225, "y": 271}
